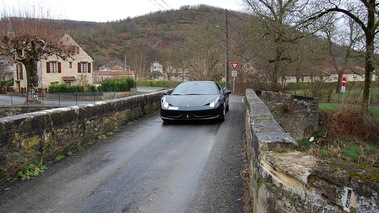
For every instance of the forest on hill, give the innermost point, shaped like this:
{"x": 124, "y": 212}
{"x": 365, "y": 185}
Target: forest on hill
{"x": 172, "y": 36}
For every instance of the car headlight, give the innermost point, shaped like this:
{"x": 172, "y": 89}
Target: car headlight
{"x": 165, "y": 104}
{"x": 213, "y": 103}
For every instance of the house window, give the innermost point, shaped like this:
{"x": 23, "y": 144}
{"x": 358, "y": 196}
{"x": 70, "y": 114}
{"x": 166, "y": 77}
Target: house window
{"x": 19, "y": 71}
{"x": 70, "y": 64}
{"x": 68, "y": 83}
{"x": 53, "y": 67}
{"x": 84, "y": 67}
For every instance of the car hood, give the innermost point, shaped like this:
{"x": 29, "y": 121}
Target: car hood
{"x": 190, "y": 100}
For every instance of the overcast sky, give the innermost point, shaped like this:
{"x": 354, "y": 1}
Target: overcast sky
{"x": 111, "y": 10}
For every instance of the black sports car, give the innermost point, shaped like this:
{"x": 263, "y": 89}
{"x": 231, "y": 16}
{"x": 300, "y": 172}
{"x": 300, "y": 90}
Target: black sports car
{"x": 195, "y": 100}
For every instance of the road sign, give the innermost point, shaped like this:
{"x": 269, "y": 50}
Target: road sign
{"x": 343, "y": 88}
{"x": 234, "y": 73}
{"x": 234, "y": 64}
{"x": 343, "y": 81}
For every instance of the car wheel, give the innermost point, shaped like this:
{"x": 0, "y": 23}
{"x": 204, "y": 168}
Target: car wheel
{"x": 222, "y": 115}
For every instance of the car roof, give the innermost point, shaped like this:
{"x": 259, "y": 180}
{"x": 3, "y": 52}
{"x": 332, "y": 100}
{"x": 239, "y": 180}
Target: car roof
{"x": 212, "y": 82}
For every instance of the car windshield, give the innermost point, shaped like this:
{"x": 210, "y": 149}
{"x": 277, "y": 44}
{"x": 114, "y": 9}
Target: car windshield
{"x": 196, "y": 88}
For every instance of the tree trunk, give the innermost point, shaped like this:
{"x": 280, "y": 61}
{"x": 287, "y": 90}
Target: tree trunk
{"x": 339, "y": 82}
{"x": 32, "y": 78}
{"x": 370, "y": 34}
{"x": 277, "y": 70}
{"x": 369, "y": 69}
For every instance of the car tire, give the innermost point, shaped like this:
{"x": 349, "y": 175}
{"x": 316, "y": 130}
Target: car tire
{"x": 222, "y": 115}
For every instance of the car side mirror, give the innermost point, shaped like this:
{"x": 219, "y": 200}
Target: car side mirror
{"x": 165, "y": 93}
{"x": 226, "y": 91}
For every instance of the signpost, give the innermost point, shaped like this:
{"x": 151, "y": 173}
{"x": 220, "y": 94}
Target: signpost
{"x": 343, "y": 88}
{"x": 234, "y": 73}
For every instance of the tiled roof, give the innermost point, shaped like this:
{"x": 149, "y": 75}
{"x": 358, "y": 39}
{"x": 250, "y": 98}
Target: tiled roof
{"x": 114, "y": 72}
{"x": 116, "y": 67}
{"x": 347, "y": 70}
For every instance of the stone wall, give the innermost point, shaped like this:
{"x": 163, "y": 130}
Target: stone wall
{"x": 11, "y": 111}
{"x": 298, "y": 115}
{"x": 285, "y": 180}
{"x": 47, "y": 134}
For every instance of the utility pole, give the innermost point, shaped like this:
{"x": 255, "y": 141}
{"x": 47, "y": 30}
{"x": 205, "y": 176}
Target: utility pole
{"x": 125, "y": 63}
{"x": 227, "y": 50}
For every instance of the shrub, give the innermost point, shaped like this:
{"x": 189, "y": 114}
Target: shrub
{"x": 63, "y": 88}
{"x": 346, "y": 134}
{"x": 7, "y": 83}
{"x": 353, "y": 123}
{"x": 118, "y": 85}
{"x": 91, "y": 88}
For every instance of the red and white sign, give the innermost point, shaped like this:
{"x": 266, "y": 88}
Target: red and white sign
{"x": 234, "y": 64}
{"x": 343, "y": 81}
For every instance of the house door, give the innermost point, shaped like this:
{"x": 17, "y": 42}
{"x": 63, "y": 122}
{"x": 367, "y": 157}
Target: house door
{"x": 17, "y": 86}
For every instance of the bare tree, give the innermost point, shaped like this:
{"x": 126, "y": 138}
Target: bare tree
{"x": 139, "y": 64}
{"x": 340, "y": 43}
{"x": 27, "y": 39}
{"x": 364, "y": 13}
{"x": 171, "y": 59}
{"x": 206, "y": 53}
{"x": 276, "y": 25}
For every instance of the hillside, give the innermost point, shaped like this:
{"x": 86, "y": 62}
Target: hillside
{"x": 151, "y": 34}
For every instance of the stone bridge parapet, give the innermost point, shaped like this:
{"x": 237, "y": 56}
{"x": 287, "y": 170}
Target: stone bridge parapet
{"x": 285, "y": 180}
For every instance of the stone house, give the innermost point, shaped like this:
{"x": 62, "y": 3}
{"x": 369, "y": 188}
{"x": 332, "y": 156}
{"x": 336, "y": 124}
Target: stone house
{"x": 75, "y": 70}
{"x": 114, "y": 69}
{"x": 330, "y": 75}
{"x": 156, "y": 67}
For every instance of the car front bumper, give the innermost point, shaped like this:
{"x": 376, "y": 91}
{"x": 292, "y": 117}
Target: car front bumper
{"x": 199, "y": 113}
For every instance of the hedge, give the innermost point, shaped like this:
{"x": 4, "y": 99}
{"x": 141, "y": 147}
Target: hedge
{"x": 63, "y": 88}
{"x": 117, "y": 85}
{"x": 7, "y": 83}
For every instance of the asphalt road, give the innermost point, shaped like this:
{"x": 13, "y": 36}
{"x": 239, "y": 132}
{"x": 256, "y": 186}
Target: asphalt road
{"x": 147, "y": 166}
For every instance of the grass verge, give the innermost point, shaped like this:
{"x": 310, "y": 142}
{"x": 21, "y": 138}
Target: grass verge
{"x": 346, "y": 134}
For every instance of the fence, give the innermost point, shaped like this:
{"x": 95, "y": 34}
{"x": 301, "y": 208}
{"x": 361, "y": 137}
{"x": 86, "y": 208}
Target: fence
{"x": 55, "y": 99}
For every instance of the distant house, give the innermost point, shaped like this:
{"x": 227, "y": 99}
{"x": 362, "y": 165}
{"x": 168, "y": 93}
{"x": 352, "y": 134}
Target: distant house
{"x": 355, "y": 74}
{"x": 182, "y": 74}
{"x": 156, "y": 67}
{"x": 114, "y": 64}
{"x": 75, "y": 70}
{"x": 112, "y": 70}
{"x": 330, "y": 75}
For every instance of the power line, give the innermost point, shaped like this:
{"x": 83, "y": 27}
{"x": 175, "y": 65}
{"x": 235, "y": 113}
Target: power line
{"x": 157, "y": 4}
{"x": 160, "y": 7}
{"x": 167, "y": 4}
